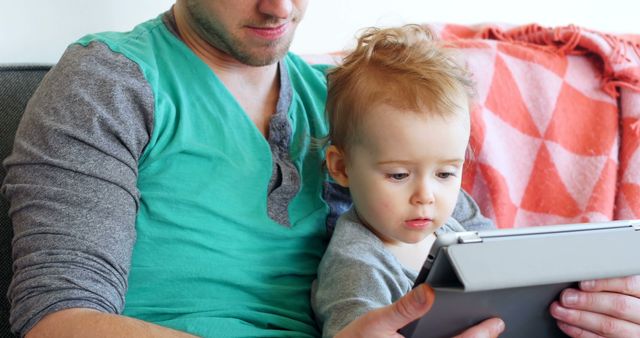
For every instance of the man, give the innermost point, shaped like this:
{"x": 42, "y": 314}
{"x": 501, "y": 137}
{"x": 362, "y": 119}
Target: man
{"x": 170, "y": 167}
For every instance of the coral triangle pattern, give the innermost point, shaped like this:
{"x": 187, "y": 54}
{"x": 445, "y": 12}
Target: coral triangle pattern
{"x": 571, "y": 97}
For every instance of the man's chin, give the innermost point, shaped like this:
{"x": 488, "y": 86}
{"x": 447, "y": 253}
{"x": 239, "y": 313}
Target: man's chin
{"x": 260, "y": 57}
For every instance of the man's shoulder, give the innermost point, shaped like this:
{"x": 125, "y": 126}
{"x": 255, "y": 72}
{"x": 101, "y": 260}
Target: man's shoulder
{"x": 309, "y": 90}
{"x": 121, "y": 40}
{"x": 146, "y": 45}
{"x": 303, "y": 65}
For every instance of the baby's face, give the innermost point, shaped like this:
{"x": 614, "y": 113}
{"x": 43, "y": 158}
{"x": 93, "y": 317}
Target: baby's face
{"x": 404, "y": 171}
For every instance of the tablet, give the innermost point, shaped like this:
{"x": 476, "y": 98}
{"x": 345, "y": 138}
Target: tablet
{"x": 515, "y": 274}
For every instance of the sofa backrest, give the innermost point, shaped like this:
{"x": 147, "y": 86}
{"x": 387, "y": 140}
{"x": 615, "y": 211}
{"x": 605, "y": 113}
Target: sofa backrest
{"x": 17, "y": 84}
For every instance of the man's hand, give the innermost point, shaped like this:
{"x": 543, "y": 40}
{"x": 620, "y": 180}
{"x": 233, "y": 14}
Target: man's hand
{"x": 386, "y": 321}
{"x": 601, "y": 308}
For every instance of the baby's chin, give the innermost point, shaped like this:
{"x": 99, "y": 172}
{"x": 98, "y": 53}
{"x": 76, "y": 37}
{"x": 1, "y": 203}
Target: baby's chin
{"x": 426, "y": 237}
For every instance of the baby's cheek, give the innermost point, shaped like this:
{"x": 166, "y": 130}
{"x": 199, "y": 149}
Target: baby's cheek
{"x": 384, "y": 207}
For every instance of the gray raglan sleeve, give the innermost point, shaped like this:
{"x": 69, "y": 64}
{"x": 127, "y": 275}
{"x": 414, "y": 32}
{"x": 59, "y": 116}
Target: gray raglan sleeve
{"x": 71, "y": 183}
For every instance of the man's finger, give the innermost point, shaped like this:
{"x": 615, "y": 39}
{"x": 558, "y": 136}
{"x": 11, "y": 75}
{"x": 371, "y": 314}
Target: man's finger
{"x": 489, "y": 328}
{"x": 626, "y": 285}
{"x": 589, "y": 322}
{"x": 612, "y": 304}
{"x": 576, "y": 332}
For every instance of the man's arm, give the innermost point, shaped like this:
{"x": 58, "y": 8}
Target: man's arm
{"x": 80, "y": 323}
{"x": 71, "y": 183}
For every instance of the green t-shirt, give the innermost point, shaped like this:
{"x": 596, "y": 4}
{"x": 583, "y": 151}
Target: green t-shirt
{"x": 208, "y": 259}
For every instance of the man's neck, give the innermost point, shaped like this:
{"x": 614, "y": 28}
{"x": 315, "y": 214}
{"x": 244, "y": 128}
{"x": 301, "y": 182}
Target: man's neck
{"x": 256, "y": 89}
{"x": 221, "y": 62}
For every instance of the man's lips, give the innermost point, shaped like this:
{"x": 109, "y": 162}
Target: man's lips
{"x": 270, "y": 33}
{"x": 418, "y": 223}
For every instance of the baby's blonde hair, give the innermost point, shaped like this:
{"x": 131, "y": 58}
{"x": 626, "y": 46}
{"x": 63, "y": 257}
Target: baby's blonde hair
{"x": 404, "y": 67}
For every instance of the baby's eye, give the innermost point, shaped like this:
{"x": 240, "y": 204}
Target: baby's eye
{"x": 445, "y": 175}
{"x": 398, "y": 176}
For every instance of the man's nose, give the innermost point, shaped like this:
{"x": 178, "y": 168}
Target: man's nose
{"x": 276, "y": 8}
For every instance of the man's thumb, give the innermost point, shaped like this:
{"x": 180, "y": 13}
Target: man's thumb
{"x": 410, "y": 307}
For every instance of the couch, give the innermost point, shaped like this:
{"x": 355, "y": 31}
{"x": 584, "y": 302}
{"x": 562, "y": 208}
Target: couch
{"x": 555, "y": 126}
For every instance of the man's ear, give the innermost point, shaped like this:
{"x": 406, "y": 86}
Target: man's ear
{"x": 336, "y": 165}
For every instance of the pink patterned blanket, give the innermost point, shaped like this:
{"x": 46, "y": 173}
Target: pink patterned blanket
{"x": 556, "y": 128}
{"x": 556, "y": 125}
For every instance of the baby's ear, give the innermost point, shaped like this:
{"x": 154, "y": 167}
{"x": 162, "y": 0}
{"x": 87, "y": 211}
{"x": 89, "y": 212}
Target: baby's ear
{"x": 336, "y": 165}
